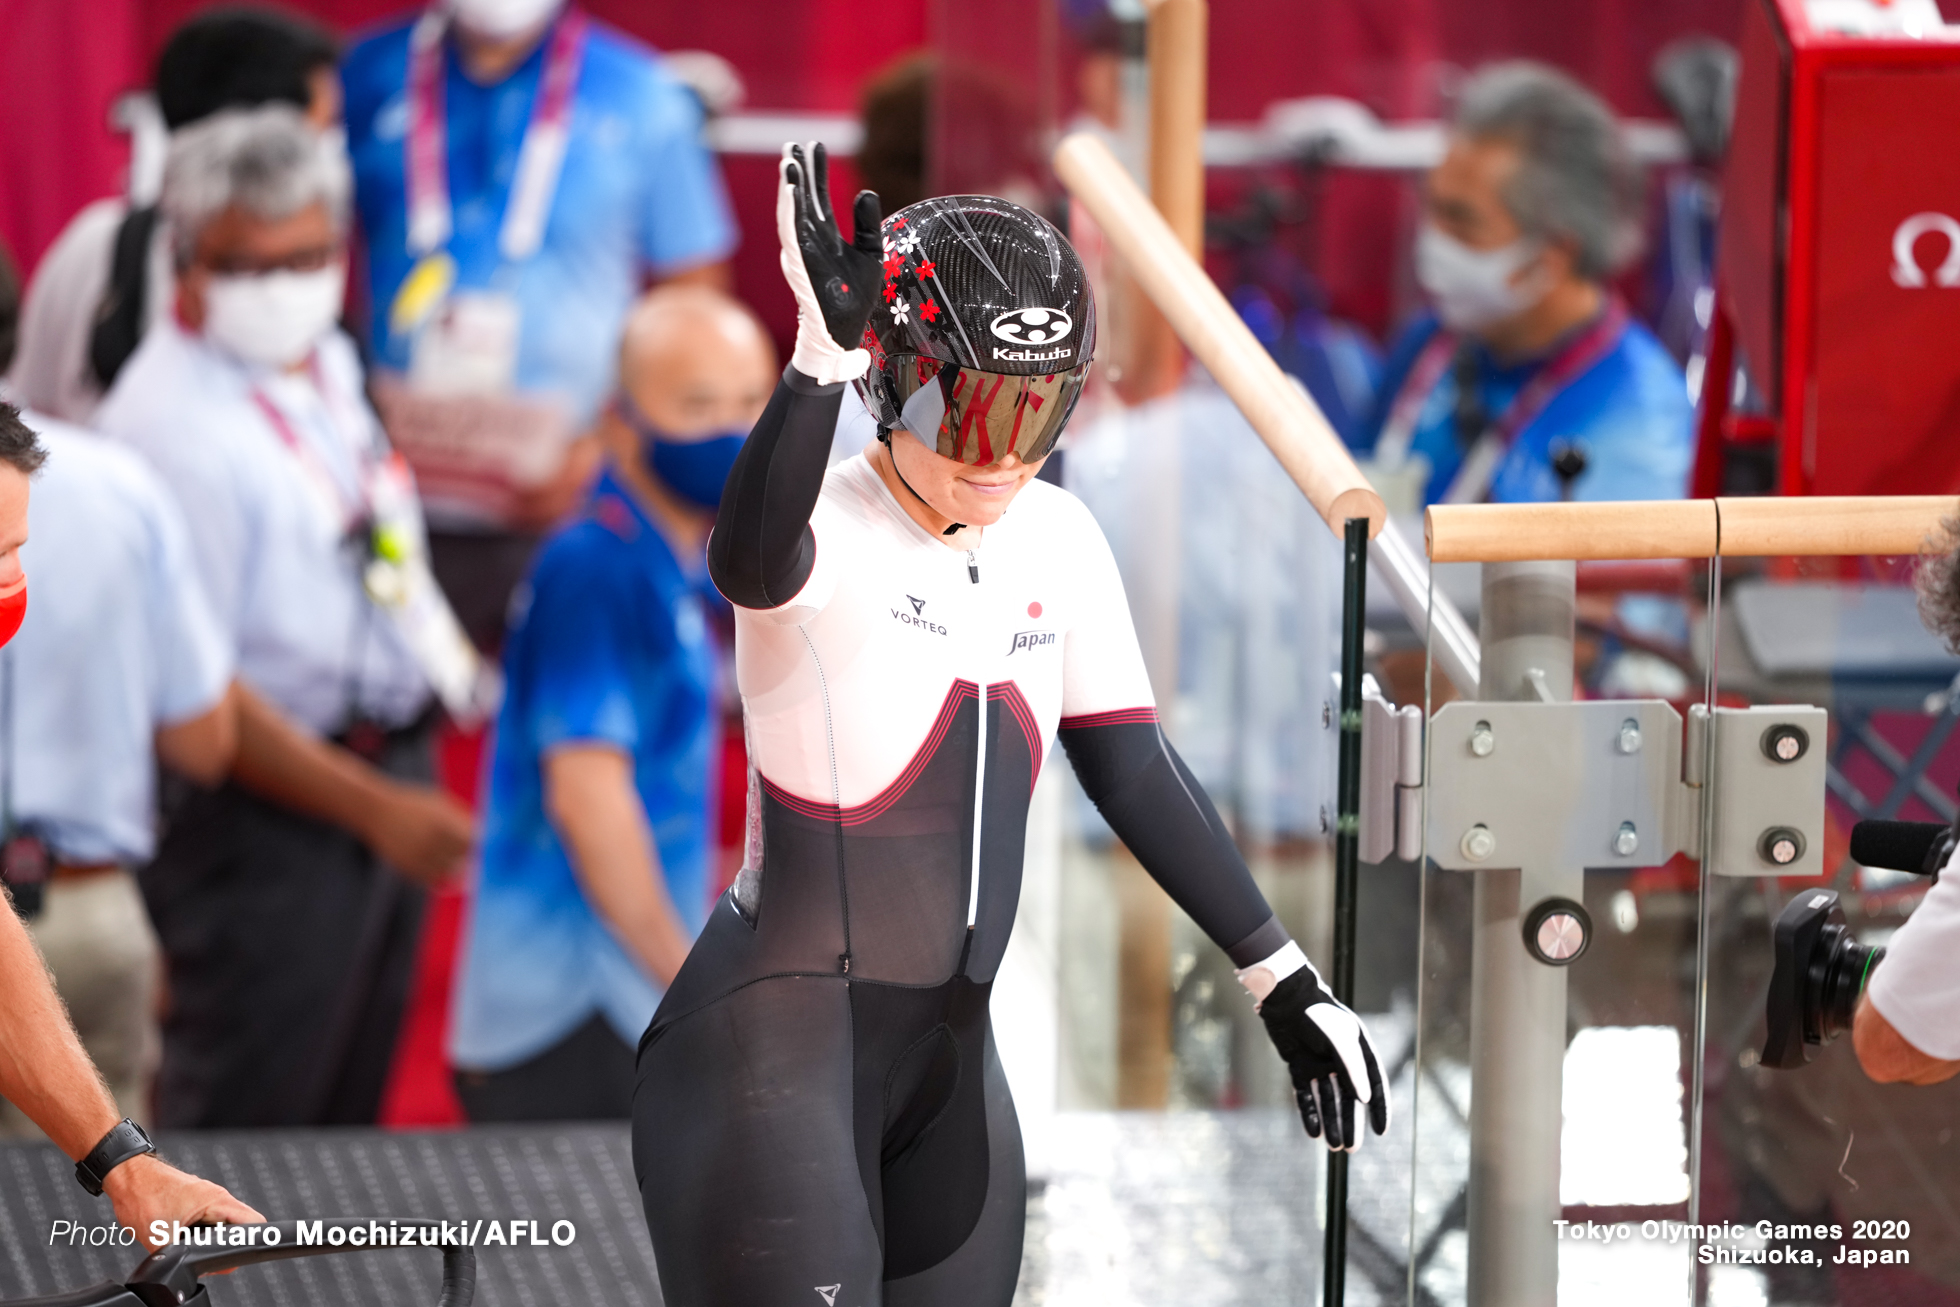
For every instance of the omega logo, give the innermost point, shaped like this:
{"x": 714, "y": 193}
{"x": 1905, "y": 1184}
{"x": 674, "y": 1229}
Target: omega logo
{"x": 1905, "y": 263}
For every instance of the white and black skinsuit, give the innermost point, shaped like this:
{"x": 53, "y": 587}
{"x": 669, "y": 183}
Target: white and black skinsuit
{"x": 820, "y": 1116}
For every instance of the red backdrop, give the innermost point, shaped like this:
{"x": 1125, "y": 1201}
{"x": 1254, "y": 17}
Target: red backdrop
{"x": 62, "y": 63}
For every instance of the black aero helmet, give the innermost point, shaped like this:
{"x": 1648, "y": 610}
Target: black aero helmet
{"x": 982, "y": 337}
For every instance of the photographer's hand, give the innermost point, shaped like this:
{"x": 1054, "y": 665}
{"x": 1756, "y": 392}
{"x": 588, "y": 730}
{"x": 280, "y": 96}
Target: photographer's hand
{"x": 1888, "y": 1057}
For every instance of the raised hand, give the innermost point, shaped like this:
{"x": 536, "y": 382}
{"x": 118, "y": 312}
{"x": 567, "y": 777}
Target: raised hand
{"x": 835, "y": 281}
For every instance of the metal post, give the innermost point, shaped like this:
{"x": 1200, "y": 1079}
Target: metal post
{"x": 1347, "y": 863}
{"x": 1517, "y": 1004}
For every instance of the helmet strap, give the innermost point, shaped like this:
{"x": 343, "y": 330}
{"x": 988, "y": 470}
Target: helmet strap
{"x": 885, "y": 436}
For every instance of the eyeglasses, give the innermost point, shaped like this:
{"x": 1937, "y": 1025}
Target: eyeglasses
{"x": 979, "y": 417}
{"x": 311, "y": 259}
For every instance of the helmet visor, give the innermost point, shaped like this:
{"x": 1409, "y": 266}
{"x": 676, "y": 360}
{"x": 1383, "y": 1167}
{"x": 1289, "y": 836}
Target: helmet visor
{"x": 979, "y": 417}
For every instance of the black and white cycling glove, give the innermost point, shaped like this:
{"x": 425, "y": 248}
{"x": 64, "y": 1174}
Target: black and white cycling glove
{"x": 835, "y": 281}
{"x": 1325, "y": 1046}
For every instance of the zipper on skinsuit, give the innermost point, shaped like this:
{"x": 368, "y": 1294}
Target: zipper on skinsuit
{"x": 979, "y": 778}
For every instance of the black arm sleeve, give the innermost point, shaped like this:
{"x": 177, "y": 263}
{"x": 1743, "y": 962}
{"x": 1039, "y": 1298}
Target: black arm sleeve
{"x": 762, "y": 550}
{"x": 1150, "y": 799}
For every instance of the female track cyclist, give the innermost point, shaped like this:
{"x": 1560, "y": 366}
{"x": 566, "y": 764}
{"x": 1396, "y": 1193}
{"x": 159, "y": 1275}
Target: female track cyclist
{"x": 820, "y": 1118}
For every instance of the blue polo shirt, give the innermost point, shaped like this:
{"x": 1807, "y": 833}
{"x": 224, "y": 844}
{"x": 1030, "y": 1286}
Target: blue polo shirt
{"x": 608, "y": 645}
{"x": 639, "y": 195}
{"x": 1629, "y": 411}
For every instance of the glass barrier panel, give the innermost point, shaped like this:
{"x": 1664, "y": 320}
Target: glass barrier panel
{"x": 1826, "y": 1186}
{"x": 1559, "y": 893}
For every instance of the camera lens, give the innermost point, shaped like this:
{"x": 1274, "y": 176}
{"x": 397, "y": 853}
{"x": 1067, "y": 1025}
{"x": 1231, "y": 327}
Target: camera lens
{"x": 1838, "y": 967}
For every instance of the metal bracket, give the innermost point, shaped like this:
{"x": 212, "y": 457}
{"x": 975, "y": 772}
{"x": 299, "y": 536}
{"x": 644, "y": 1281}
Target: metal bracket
{"x": 1391, "y": 777}
{"x": 1555, "y": 788}
{"x": 1769, "y": 765}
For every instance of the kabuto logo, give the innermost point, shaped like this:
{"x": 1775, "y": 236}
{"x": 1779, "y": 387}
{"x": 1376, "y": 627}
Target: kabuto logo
{"x": 1031, "y": 355}
{"x": 1030, "y": 640}
{"x": 1033, "y": 327}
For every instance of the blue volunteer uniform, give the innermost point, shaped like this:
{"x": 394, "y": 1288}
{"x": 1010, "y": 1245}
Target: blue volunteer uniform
{"x": 638, "y": 194}
{"x": 1629, "y": 410}
{"x": 609, "y": 647}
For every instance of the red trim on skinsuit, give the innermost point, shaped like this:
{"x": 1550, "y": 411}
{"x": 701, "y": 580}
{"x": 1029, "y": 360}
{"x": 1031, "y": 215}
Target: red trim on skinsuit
{"x": 1009, "y": 693}
{"x": 1117, "y": 717}
{"x": 956, "y": 694}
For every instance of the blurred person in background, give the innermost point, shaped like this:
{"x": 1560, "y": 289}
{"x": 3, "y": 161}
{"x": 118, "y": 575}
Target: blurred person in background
{"x": 1907, "y": 1027}
{"x": 108, "y": 275}
{"x": 44, "y": 1072}
{"x": 1528, "y": 354}
{"x": 894, "y": 111}
{"x": 598, "y": 844}
{"x": 522, "y": 171}
{"x": 119, "y": 665}
{"x": 289, "y": 933}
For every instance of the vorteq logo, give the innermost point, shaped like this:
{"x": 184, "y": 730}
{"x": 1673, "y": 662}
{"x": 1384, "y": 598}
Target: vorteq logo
{"x": 915, "y": 617}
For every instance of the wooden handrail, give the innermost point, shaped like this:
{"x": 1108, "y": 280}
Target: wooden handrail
{"x": 1275, "y": 406}
{"x": 1175, "y": 39}
{"x": 1815, "y": 526}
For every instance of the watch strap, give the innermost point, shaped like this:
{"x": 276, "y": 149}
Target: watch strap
{"x": 125, "y": 1140}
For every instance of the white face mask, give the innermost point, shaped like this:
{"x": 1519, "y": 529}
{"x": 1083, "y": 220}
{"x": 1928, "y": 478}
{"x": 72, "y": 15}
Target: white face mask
{"x": 502, "y": 19}
{"x": 1474, "y": 288}
{"x": 274, "y": 318}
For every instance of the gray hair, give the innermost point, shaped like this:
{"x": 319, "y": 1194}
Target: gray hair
{"x": 1577, "y": 185}
{"x": 267, "y": 161}
{"x": 1938, "y": 584}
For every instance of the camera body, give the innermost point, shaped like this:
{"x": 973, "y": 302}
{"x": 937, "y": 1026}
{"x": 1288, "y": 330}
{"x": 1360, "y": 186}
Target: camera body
{"x": 1821, "y": 970}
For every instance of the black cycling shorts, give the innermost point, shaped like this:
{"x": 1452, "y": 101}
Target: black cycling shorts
{"x": 818, "y": 1139}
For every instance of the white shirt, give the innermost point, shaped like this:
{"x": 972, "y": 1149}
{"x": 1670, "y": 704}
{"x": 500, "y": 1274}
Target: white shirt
{"x": 1917, "y": 986}
{"x": 118, "y": 640}
{"x": 51, "y": 371}
{"x": 269, "y": 521}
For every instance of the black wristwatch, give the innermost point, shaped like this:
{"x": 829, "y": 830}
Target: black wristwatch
{"x": 125, "y": 1140}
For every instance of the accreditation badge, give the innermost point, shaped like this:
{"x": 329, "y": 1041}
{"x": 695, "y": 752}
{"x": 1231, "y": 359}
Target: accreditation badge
{"x": 475, "y": 442}
{"x": 466, "y": 345}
